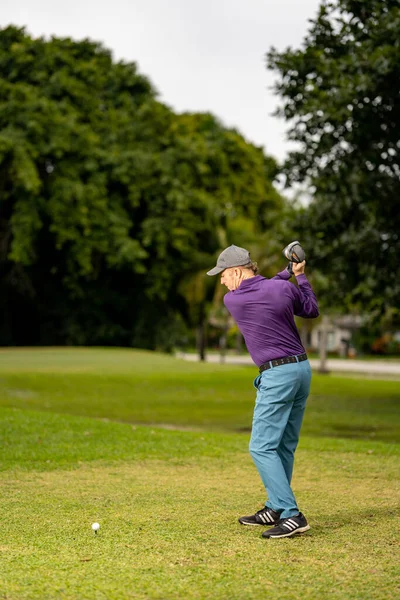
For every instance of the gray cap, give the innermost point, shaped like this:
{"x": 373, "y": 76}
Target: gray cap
{"x": 231, "y": 257}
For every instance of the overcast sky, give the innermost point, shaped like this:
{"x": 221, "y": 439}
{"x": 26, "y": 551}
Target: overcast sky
{"x": 201, "y": 55}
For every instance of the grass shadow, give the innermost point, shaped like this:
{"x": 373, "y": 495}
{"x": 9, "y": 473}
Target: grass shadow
{"x": 328, "y": 522}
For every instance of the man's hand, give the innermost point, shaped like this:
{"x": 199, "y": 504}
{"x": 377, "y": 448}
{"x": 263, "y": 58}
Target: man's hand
{"x": 298, "y": 268}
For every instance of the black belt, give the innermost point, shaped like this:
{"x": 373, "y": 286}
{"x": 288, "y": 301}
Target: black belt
{"x": 277, "y": 362}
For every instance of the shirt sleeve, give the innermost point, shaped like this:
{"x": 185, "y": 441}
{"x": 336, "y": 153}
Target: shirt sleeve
{"x": 283, "y": 275}
{"x": 305, "y": 301}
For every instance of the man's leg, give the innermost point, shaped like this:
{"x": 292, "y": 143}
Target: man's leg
{"x": 277, "y": 389}
{"x": 290, "y": 438}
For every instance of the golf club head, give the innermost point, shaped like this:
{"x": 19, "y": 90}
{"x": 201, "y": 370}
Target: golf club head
{"x": 294, "y": 252}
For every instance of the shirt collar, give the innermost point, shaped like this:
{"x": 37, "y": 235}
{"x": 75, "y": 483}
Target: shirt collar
{"x": 249, "y": 281}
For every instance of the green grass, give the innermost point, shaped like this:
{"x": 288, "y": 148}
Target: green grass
{"x": 168, "y": 498}
{"x": 140, "y": 387}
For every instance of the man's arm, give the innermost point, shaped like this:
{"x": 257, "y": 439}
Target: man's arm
{"x": 305, "y": 301}
{"x": 285, "y": 275}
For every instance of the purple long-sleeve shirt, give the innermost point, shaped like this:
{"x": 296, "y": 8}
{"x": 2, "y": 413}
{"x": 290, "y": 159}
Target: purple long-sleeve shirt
{"x": 264, "y": 311}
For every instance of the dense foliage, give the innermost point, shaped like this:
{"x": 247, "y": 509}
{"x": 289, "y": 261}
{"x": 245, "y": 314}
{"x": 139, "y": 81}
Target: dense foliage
{"x": 109, "y": 200}
{"x": 341, "y": 98}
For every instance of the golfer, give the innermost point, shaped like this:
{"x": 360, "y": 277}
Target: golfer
{"x": 264, "y": 311}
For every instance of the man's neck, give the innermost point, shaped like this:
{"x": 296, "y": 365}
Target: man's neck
{"x": 246, "y": 276}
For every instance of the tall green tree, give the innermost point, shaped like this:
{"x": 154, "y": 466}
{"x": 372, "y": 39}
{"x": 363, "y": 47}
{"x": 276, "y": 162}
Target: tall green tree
{"x": 235, "y": 179}
{"x": 107, "y": 198}
{"x": 340, "y": 95}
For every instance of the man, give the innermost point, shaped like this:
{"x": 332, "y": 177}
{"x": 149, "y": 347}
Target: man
{"x": 264, "y": 311}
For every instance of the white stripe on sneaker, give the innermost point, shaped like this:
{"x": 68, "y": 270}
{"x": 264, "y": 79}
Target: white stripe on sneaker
{"x": 293, "y": 522}
{"x": 288, "y": 526}
{"x": 262, "y": 517}
{"x": 269, "y": 518}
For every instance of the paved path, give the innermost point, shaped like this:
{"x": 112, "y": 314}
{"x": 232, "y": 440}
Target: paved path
{"x": 372, "y": 367}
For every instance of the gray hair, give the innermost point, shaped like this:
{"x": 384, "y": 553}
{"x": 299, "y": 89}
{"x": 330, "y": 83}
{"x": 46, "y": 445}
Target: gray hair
{"x": 253, "y": 266}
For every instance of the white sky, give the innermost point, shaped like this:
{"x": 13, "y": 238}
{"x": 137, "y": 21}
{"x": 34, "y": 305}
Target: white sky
{"x": 201, "y": 55}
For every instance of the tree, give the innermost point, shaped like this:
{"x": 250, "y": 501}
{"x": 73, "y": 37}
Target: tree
{"x": 235, "y": 178}
{"x": 341, "y": 97}
{"x": 107, "y": 198}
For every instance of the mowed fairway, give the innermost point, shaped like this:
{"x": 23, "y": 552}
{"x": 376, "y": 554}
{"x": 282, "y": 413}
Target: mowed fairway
{"x": 156, "y": 450}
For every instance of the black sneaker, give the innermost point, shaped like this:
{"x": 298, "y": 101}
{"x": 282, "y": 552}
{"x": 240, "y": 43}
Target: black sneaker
{"x": 287, "y": 527}
{"x": 265, "y": 516}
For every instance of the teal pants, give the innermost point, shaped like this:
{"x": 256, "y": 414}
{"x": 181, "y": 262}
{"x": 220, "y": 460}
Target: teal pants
{"x": 278, "y": 414}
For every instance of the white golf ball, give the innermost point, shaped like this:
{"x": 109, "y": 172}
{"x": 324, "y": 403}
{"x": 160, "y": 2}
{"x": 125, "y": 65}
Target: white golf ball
{"x": 95, "y": 526}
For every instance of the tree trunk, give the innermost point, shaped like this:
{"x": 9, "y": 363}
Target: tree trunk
{"x": 323, "y": 343}
{"x": 222, "y": 346}
{"x": 202, "y": 339}
{"x": 239, "y": 343}
{"x": 303, "y": 335}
